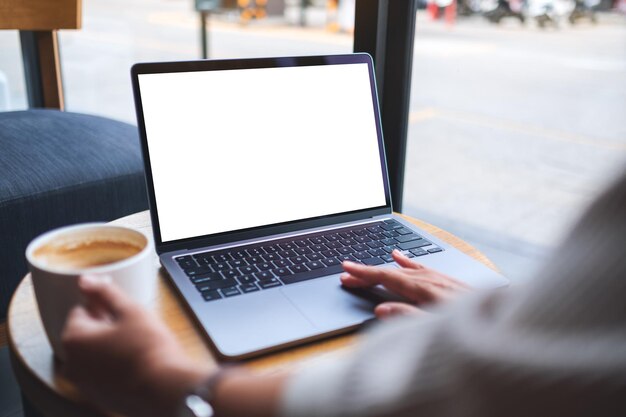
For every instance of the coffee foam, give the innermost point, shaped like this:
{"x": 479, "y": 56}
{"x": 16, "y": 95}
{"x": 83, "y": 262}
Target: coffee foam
{"x": 85, "y": 249}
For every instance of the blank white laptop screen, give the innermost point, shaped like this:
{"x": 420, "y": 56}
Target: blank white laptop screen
{"x": 236, "y": 149}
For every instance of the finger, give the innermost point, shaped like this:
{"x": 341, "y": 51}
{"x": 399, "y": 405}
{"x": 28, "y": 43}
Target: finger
{"x": 391, "y": 278}
{"x": 404, "y": 260}
{"x": 80, "y": 323}
{"x": 392, "y": 309}
{"x": 105, "y": 296}
{"x": 353, "y": 282}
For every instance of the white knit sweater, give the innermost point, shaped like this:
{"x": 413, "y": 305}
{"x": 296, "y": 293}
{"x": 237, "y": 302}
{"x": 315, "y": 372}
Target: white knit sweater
{"x": 556, "y": 347}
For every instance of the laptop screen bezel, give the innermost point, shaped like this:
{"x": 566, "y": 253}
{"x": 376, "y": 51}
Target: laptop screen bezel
{"x": 266, "y": 230}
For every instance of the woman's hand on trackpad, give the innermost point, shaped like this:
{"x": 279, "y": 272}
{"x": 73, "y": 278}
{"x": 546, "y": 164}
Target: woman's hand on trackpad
{"x": 415, "y": 282}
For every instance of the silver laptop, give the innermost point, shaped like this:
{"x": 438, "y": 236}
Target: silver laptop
{"x": 263, "y": 176}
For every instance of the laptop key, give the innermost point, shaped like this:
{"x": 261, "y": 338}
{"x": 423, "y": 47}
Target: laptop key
{"x": 403, "y": 231}
{"x": 263, "y": 275}
{"x": 248, "y": 269}
{"x": 389, "y": 241}
{"x": 435, "y": 250}
{"x": 348, "y": 242}
{"x": 255, "y": 251}
{"x": 346, "y": 250}
{"x": 372, "y": 261}
{"x": 359, "y": 232}
{"x": 270, "y": 257}
{"x": 362, "y": 255}
{"x": 236, "y": 263}
{"x": 287, "y": 253}
{"x": 264, "y": 266}
{"x": 408, "y": 238}
{"x": 204, "y": 261}
{"x": 230, "y": 273}
{"x": 271, "y": 249}
{"x": 198, "y": 279}
{"x": 362, "y": 239}
{"x": 387, "y": 258}
{"x": 246, "y": 288}
{"x": 211, "y": 295}
{"x": 332, "y": 238}
{"x": 334, "y": 245}
{"x": 197, "y": 271}
{"x": 413, "y": 244}
{"x": 388, "y": 227}
{"x": 360, "y": 247}
{"x": 230, "y": 291}
{"x": 330, "y": 253}
{"x": 331, "y": 261}
{"x": 298, "y": 268}
{"x": 246, "y": 279}
{"x": 287, "y": 245}
{"x": 418, "y": 252}
{"x": 317, "y": 240}
{"x": 281, "y": 272}
{"x": 303, "y": 251}
{"x": 251, "y": 260}
{"x": 270, "y": 283}
{"x": 297, "y": 260}
{"x": 314, "y": 256}
{"x": 189, "y": 264}
{"x": 222, "y": 258}
{"x": 220, "y": 266}
{"x": 282, "y": 263}
{"x": 375, "y": 244}
{"x": 217, "y": 284}
{"x": 377, "y": 252}
{"x": 314, "y": 265}
{"x": 315, "y": 273}
{"x": 388, "y": 249}
{"x": 318, "y": 248}
{"x": 347, "y": 258}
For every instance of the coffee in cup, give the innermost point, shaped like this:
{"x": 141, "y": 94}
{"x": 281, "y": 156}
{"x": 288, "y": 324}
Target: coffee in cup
{"x": 58, "y": 258}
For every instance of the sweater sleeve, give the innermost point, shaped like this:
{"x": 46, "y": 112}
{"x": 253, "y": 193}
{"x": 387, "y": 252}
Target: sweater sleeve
{"x": 554, "y": 347}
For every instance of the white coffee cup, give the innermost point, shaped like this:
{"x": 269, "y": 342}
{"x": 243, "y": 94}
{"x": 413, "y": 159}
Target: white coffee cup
{"x": 58, "y": 258}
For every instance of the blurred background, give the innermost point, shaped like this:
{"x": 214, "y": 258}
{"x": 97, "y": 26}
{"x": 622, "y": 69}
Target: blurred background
{"x": 518, "y": 108}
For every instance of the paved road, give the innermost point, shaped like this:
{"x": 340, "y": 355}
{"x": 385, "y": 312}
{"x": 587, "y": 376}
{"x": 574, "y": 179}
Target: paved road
{"x": 513, "y": 129}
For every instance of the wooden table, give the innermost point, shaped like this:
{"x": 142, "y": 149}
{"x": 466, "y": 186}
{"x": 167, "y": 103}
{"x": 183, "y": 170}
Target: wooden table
{"x": 35, "y": 368}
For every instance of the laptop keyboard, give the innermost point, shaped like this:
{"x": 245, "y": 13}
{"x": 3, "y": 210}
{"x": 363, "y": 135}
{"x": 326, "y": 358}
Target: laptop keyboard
{"x": 250, "y": 268}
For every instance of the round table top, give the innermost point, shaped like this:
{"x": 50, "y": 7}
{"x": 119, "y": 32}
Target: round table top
{"x": 36, "y": 368}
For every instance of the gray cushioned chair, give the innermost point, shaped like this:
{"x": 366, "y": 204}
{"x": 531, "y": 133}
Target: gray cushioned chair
{"x": 56, "y": 168}
{"x": 59, "y": 168}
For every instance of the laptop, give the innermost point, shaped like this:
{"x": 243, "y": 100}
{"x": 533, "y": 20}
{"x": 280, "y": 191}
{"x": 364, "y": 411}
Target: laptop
{"x": 264, "y": 175}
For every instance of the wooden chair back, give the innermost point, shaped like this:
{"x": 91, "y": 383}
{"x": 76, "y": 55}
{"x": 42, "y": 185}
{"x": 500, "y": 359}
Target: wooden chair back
{"x": 38, "y": 22}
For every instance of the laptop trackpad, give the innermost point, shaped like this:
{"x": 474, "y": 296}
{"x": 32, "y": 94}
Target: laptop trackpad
{"x": 327, "y": 305}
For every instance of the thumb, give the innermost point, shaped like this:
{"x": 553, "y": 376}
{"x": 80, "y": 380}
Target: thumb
{"x": 391, "y": 309}
{"x": 104, "y": 297}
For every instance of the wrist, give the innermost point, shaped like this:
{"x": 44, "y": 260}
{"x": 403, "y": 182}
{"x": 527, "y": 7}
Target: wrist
{"x": 173, "y": 381}
{"x": 201, "y": 400}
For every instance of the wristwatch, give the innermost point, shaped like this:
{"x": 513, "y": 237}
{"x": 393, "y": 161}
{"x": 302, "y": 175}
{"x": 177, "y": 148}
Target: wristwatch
{"x": 198, "y": 403}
